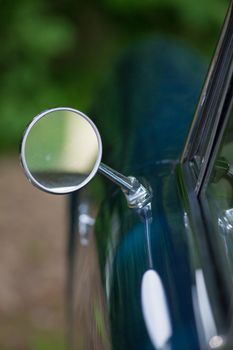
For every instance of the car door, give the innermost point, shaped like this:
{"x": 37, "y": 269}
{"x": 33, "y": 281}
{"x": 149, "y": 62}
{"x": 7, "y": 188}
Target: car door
{"x": 154, "y": 96}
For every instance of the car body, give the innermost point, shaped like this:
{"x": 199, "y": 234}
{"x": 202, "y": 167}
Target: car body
{"x": 152, "y": 103}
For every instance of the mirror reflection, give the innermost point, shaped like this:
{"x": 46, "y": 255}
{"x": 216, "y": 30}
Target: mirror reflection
{"x": 61, "y": 150}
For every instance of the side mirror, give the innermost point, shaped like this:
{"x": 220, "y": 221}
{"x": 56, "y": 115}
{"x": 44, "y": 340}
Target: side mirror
{"x": 61, "y": 152}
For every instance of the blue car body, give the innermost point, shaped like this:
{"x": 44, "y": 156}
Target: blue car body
{"x": 146, "y": 113}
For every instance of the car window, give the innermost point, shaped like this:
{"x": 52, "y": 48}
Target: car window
{"x": 219, "y": 191}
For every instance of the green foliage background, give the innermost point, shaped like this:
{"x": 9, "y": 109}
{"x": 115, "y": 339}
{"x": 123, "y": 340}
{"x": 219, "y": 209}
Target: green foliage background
{"x": 57, "y": 53}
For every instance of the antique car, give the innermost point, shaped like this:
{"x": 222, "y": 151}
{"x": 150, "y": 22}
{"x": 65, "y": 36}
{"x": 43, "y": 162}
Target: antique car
{"x": 150, "y": 255}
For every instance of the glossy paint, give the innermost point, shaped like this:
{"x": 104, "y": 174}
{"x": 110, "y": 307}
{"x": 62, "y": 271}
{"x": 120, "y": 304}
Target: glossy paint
{"x": 152, "y": 277}
{"x": 145, "y": 118}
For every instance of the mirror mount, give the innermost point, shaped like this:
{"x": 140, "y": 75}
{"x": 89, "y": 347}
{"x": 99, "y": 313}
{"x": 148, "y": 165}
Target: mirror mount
{"x": 138, "y": 195}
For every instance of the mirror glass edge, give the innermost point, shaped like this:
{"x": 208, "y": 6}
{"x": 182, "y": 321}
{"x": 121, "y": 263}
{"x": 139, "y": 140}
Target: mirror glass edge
{"x": 23, "y": 161}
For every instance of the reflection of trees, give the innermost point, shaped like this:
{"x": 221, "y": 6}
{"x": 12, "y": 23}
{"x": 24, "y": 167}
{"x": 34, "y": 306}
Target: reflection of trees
{"x": 54, "y": 179}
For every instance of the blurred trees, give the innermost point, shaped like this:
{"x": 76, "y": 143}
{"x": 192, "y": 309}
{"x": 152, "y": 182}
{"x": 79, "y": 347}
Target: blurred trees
{"x": 57, "y": 53}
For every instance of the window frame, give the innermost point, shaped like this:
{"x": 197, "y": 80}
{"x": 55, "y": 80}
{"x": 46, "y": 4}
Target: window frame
{"x": 209, "y": 123}
{"x": 210, "y": 110}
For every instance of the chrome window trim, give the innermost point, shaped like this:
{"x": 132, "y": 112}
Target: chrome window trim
{"x": 227, "y": 109}
{"x": 209, "y": 110}
{"x": 210, "y": 119}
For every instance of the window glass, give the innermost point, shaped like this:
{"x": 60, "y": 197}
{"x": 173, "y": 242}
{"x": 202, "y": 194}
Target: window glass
{"x": 220, "y": 191}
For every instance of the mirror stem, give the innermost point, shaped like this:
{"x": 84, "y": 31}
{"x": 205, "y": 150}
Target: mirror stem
{"x": 137, "y": 195}
{"x": 123, "y": 181}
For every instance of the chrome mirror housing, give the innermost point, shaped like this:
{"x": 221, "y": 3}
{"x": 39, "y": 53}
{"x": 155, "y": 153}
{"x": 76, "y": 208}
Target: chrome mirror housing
{"x": 61, "y": 152}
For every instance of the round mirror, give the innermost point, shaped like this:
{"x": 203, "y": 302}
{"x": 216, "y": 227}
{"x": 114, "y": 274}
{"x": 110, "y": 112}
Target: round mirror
{"x": 61, "y": 150}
